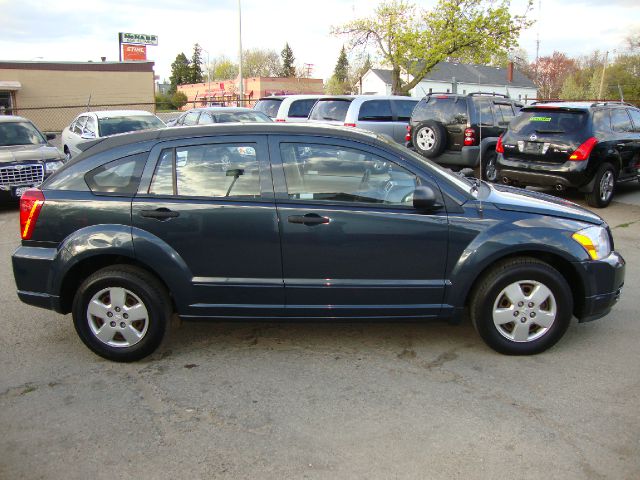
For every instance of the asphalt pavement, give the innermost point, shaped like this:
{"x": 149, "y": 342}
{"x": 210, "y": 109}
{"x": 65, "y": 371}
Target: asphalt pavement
{"x": 322, "y": 400}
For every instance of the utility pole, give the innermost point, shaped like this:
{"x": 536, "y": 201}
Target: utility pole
{"x": 604, "y": 69}
{"x": 240, "y": 44}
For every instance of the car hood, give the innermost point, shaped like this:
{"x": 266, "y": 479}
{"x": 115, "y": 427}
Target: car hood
{"x": 520, "y": 200}
{"x": 24, "y": 153}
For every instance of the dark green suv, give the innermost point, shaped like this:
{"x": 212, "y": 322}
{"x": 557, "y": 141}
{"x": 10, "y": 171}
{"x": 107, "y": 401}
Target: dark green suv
{"x": 461, "y": 131}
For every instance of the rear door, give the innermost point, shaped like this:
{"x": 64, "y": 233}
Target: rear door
{"x": 623, "y": 131}
{"x": 208, "y": 205}
{"x": 299, "y": 110}
{"x": 352, "y": 243}
{"x": 402, "y": 110}
{"x": 330, "y": 110}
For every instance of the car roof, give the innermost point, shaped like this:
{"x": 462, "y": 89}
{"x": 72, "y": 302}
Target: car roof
{"x": 119, "y": 113}
{"x": 13, "y": 118}
{"x": 273, "y": 97}
{"x": 222, "y": 109}
{"x": 166, "y": 134}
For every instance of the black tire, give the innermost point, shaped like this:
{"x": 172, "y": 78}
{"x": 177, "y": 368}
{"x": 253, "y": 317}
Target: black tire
{"x": 430, "y": 139}
{"x": 525, "y": 272}
{"x": 489, "y": 166}
{"x": 67, "y": 153}
{"x": 603, "y": 186}
{"x": 139, "y": 287}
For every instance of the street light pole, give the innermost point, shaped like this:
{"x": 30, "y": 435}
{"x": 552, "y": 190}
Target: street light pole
{"x": 208, "y": 75}
{"x": 240, "y": 45}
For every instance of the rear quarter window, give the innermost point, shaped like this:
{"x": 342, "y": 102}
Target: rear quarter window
{"x": 301, "y": 108}
{"x": 118, "y": 177}
{"x": 268, "y": 107}
{"x": 332, "y": 110}
{"x": 376, "y": 111}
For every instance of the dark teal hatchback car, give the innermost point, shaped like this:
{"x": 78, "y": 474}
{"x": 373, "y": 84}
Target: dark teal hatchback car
{"x": 269, "y": 221}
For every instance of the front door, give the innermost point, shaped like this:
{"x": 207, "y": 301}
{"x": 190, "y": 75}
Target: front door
{"x": 208, "y": 204}
{"x": 352, "y": 243}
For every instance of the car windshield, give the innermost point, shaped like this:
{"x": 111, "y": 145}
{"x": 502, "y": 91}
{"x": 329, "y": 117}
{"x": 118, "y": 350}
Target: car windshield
{"x": 114, "y": 125}
{"x": 226, "y": 117}
{"x": 547, "y": 120}
{"x": 268, "y": 106}
{"x": 332, "y": 110}
{"x": 20, "y": 133}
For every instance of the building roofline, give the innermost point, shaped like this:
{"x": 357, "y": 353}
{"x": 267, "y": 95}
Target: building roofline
{"x": 77, "y": 66}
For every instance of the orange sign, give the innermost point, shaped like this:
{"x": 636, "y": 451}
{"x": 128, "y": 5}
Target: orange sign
{"x": 134, "y": 52}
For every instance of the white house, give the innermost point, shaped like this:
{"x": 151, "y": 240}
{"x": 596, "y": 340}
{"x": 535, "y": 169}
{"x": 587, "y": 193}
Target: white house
{"x": 459, "y": 78}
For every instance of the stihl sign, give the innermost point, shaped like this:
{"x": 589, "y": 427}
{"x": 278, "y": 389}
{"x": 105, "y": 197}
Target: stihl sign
{"x": 134, "y": 52}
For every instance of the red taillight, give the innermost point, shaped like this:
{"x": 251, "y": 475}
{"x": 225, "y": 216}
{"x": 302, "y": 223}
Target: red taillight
{"x": 280, "y": 120}
{"x": 499, "y": 146}
{"x": 31, "y": 203}
{"x": 469, "y": 137}
{"x": 349, "y": 124}
{"x": 584, "y": 150}
{"x": 407, "y": 137}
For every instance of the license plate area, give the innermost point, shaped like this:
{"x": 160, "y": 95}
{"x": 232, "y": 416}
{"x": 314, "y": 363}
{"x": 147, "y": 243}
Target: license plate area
{"x": 533, "y": 147}
{"x": 20, "y": 190}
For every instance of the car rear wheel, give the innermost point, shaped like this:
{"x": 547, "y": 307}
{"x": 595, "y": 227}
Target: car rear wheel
{"x": 489, "y": 170}
{"x": 521, "y": 307}
{"x": 430, "y": 139}
{"x": 121, "y": 313}
{"x": 603, "y": 187}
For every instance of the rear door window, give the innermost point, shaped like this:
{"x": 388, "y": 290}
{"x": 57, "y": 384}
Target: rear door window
{"x": 191, "y": 118}
{"x": 504, "y": 111}
{"x": 620, "y": 121}
{"x": 301, "y": 108}
{"x": 635, "y": 118}
{"x": 376, "y": 111}
{"x": 205, "y": 119}
{"x": 221, "y": 170}
{"x": 485, "y": 113}
{"x": 331, "y": 110}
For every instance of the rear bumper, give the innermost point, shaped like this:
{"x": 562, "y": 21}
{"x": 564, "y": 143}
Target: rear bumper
{"x": 31, "y": 271}
{"x": 603, "y": 282}
{"x": 520, "y": 172}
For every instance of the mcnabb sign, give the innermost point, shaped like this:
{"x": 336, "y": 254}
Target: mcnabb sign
{"x": 138, "y": 39}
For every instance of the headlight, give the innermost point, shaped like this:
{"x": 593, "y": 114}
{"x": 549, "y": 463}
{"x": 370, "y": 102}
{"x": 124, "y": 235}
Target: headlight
{"x": 51, "y": 167}
{"x": 595, "y": 240}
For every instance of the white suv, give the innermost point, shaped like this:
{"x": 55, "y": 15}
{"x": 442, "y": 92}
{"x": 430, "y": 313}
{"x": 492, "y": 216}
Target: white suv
{"x": 287, "y": 108}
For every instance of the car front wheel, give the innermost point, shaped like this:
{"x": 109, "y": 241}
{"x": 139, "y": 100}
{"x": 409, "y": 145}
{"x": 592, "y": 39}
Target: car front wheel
{"x": 121, "y": 313}
{"x": 521, "y": 307}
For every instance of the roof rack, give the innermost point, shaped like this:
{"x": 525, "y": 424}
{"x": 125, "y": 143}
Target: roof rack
{"x": 440, "y": 93}
{"x": 611, "y": 102}
{"x": 492, "y": 94}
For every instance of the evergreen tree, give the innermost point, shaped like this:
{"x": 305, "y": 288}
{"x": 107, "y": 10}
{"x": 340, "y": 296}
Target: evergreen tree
{"x": 196, "y": 65}
{"x": 180, "y": 73}
{"x": 288, "y": 67}
{"x": 341, "y": 72}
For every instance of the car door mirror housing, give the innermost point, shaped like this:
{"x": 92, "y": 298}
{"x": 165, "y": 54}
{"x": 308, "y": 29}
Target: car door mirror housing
{"x": 87, "y": 135}
{"x": 424, "y": 198}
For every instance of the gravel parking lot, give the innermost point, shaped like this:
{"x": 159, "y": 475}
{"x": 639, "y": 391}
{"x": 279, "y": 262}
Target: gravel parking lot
{"x": 322, "y": 400}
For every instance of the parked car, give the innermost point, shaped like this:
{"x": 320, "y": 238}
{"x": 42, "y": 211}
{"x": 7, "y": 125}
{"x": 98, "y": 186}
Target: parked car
{"x": 26, "y": 157}
{"x": 269, "y": 105}
{"x": 209, "y": 115}
{"x": 584, "y": 145}
{"x": 459, "y": 131}
{"x": 292, "y": 108}
{"x": 386, "y": 115}
{"x": 92, "y": 125}
{"x": 143, "y": 225}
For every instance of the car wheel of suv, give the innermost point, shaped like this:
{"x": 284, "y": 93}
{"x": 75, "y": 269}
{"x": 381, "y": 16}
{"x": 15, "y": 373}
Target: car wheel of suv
{"x": 67, "y": 153}
{"x": 603, "y": 187}
{"x": 429, "y": 139}
{"x": 121, "y": 313}
{"x": 521, "y": 307}
{"x": 489, "y": 170}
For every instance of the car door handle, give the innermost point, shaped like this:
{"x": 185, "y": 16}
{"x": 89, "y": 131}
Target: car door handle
{"x": 159, "y": 214}
{"x": 308, "y": 219}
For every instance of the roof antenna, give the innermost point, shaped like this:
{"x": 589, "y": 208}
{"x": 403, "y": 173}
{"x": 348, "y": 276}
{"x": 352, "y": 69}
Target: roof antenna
{"x": 479, "y": 181}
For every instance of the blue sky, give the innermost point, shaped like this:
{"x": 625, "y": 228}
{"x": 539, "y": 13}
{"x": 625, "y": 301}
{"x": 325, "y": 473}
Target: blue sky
{"x": 80, "y": 31}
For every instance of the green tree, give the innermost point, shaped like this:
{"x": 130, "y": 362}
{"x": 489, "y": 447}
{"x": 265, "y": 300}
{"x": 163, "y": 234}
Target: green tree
{"x": 257, "y": 62}
{"x": 179, "y": 72}
{"x": 195, "y": 70}
{"x": 288, "y": 60}
{"x": 224, "y": 69}
{"x": 178, "y": 100}
{"x": 413, "y": 40}
{"x": 341, "y": 72}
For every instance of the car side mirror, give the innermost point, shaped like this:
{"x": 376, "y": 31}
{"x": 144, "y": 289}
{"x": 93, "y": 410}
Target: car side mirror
{"x": 50, "y": 136}
{"x": 424, "y": 198}
{"x": 87, "y": 135}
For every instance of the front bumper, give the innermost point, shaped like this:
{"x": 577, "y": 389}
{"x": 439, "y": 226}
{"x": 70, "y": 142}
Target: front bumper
{"x": 603, "y": 281}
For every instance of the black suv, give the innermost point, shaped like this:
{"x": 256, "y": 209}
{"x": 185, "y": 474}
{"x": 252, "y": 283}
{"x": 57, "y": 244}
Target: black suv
{"x": 271, "y": 221}
{"x": 583, "y": 145}
{"x": 459, "y": 130}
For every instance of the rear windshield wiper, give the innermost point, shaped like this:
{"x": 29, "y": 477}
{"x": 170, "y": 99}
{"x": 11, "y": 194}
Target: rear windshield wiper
{"x": 549, "y": 131}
